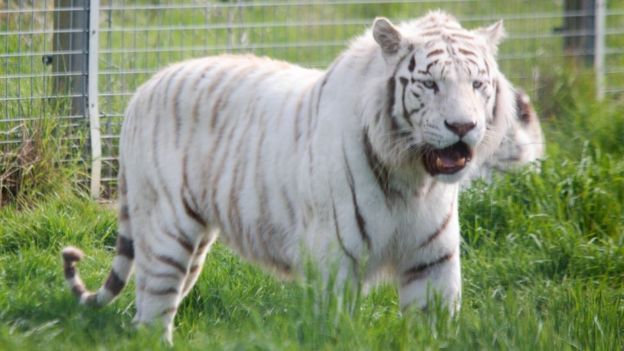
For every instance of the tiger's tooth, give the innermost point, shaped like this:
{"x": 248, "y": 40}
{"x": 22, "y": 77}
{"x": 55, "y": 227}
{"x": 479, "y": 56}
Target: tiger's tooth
{"x": 439, "y": 163}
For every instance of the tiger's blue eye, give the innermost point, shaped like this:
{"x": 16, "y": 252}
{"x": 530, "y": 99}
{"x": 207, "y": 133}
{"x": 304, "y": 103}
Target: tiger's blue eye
{"x": 430, "y": 84}
{"x": 477, "y": 84}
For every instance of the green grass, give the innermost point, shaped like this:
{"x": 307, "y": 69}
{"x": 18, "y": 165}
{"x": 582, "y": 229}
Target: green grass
{"x": 543, "y": 266}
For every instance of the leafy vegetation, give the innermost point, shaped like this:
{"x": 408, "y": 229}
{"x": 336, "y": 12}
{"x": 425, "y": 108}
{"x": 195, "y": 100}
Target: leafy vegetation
{"x": 543, "y": 267}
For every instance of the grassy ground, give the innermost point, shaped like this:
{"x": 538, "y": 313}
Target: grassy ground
{"x": 543, "y": 267}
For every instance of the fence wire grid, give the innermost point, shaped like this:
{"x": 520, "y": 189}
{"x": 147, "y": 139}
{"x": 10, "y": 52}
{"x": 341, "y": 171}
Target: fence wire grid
{"x": 45, "y": 70}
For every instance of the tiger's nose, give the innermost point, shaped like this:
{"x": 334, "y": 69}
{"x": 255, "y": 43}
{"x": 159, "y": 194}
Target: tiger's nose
{"x": 460, "y": 129}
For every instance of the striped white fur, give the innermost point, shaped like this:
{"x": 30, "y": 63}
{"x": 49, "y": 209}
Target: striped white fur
{"x": 358, "y": 165}
{"x": 522, "y": 145}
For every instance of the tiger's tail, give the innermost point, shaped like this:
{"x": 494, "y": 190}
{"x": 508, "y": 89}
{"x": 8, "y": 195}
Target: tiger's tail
{"x": 122, "y": 262}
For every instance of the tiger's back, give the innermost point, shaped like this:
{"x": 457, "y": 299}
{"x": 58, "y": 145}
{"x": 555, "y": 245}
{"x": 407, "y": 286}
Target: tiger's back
{"x": 204, "y": 156}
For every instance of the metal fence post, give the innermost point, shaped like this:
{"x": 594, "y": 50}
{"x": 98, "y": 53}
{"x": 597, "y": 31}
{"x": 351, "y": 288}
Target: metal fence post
{"x": 76, "y": 42}
{"x": 599, "y": 49}
{"x": 578, "y": 27}
{"x": 70, "y": 46}
{"x": 94, "y": 112}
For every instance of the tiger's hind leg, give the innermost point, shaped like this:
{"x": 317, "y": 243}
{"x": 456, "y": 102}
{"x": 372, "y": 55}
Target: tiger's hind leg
{"x": 163, "y": 265}
{"x": 197, "y": 261}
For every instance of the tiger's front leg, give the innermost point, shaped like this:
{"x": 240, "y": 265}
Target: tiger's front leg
{"x": 439, "y": 277}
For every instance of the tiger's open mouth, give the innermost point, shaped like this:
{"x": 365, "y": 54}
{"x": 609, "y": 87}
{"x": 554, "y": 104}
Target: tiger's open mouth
{"x": 449, "y": 160}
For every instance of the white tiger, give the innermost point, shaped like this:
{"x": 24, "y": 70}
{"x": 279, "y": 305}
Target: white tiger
{"x": 522, "y": 145}
{"x": 358, "y": 165}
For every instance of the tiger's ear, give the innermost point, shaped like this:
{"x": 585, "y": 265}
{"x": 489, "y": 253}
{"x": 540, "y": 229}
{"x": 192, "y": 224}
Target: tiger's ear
{"x": 387, "y": 36}
{"x": 493, "y": 35}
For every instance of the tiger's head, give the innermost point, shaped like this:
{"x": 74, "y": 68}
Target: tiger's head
{"x": 522, "y": 144}
{"x": 447, "y": 105}
{"x": 524, "y": 141}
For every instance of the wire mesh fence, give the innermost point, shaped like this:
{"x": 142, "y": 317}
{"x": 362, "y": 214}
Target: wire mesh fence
{"x": 44, "y": 66}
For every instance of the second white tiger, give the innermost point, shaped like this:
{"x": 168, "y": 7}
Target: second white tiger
{"x": 522, "y": 145}
{"x": 358, "y": 165}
